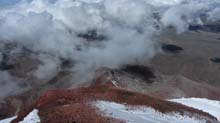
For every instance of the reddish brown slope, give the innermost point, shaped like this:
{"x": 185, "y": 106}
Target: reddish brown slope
{"x": 64, "y": 106}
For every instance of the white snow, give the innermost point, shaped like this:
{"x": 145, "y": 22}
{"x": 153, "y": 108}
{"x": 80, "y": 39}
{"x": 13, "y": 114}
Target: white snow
{"x": 8, "y": 120}
{"x": 30, "y": 118}
{"x": 142, "y": 114}
{"x": 210, "y": 106}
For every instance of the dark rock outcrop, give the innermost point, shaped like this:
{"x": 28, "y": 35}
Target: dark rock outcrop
{"x": 215, "y": 60}
{"x": 140, "y": 71}
{"x": 171, "y": 48}
{"x": 92, "y": 35}
{"x": 215, "y": 28}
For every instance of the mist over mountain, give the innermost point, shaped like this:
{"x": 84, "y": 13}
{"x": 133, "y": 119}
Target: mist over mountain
{"x": 128, "y": 28}
{"x": 164, "y": 48}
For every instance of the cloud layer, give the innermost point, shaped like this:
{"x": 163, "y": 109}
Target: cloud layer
{"x": 128, "y": 27}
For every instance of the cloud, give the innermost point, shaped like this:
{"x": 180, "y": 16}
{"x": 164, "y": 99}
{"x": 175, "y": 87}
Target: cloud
{"x": 129, "y": 28}
{"x": 9, "y": 85}
{"x": 189, "y": 12}
{"x": 1, "y": 57}
{"x": 48, "y": 69}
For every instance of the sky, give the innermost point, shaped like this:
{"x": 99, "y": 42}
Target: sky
{"x": 11, "y": 2}
{"x": 7, "y": 2}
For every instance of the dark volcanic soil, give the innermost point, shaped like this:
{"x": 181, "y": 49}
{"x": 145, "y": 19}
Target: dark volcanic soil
{"x": 193, "y": 62}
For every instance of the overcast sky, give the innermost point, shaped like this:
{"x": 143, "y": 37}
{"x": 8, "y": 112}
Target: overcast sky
{"x": 11, "y": 2}
{"x": 7, "y": 2}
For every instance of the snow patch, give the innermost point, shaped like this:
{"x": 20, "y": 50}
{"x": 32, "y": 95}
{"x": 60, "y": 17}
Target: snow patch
{"x": 210, "y": 106}
{"x": 142, "y": 114}
{"x": 8, "y": 120}
{"x": 31, "y": 118}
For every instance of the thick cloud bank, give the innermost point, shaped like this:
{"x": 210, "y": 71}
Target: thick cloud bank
{"x": 97, "y": 33}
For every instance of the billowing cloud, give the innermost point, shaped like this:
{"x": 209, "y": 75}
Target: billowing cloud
{"x": 123, "y": 30}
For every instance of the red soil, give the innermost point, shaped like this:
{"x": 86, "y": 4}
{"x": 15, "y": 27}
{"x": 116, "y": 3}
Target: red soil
{"x": 5, "y": 111}
{"x": 74, "y": 106}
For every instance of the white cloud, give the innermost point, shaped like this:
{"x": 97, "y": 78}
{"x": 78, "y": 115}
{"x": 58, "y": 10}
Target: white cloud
{"x": 129, "y": 27}
{"x": 9, "y": 85}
